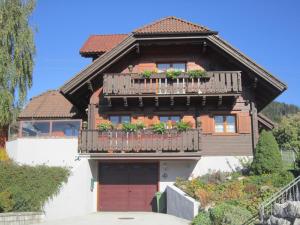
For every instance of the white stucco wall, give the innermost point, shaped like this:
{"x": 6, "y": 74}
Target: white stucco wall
{"x": 181, "y": 205}
{"x": 76, "y": 197}
{"x": 187, "y": 169}
{"x": 48, "y": 151}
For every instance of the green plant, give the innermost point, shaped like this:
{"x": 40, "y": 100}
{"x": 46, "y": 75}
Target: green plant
{"x": 196, "y": 73}
{"x": 202, "y": 218}
{"x": 287, "y": 133}
{"x": 140, "y": 125}
{"x": 129, "y": 127}
{"x": 227, "y": 214}
{"x": 182, "y": 126}
{"x": 147, "y": 73}
{"x": 159, "y": 128}
{"x": 267, "y": 158}
{"x": 6, "y": 202}
{"x": 105, "y": 126}
{"x": 28, "y": 188}
{"x": 173, "y": 74}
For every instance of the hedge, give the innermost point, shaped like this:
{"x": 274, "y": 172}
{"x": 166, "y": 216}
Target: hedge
{"x": 27, "y": 188}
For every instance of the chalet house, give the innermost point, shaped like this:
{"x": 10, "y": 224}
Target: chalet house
{"x": 170, "y": 99}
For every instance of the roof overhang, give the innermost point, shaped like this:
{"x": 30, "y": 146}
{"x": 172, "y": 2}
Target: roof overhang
{"x": 265, "y": 122}
{"x": 98, "y": 66}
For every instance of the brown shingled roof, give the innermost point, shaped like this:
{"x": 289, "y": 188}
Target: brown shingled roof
{"x": 50, "y": 104}
{"x": 98, "y": 44}
{"x": 172, "y": 25}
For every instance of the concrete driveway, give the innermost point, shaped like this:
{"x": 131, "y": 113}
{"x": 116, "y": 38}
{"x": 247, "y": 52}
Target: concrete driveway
{"x": 121, "y": 218}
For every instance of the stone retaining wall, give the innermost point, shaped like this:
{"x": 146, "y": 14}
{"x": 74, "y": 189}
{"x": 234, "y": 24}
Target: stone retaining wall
{"x": 287, "y": 213}
{"x": 21, "y": 218}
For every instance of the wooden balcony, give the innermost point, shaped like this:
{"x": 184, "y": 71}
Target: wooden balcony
{"x": 214, "y": 83}
{"x": 143, "y": 143}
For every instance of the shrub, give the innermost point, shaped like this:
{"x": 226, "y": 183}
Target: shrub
{"x": 129, "y": 127}
{"x": 105, "y": 126}
{"x": 227, "y": 214}
{"x": 182, "y": 126}
{"x": 202, "y": 218}
{"x": 196, "y": 73}
{"x": 173, "y": 74}
{"x": 140, "y": 125}
{"x": 6, "y": 202}
{"x": 3, "y": 155}
{"x": 147, "y": 74}
{"x": 159, "y": 128}
{"x": 27, "y": 188}
{"x": 215, "y": 177}
{"x": 267, "y": 158}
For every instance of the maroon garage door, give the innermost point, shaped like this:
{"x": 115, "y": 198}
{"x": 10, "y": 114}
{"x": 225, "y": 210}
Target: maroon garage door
{"x": 127, "y": 186}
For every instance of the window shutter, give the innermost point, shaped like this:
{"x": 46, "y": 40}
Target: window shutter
{"x": 244, "y": 123}
{"x": 207, "y": 124}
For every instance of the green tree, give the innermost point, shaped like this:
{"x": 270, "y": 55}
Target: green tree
{"x": 267, "y": 158}
{"x": 287, "y": 133}
{"x": 276, "y": 110}
{"x": 17, "y": 51}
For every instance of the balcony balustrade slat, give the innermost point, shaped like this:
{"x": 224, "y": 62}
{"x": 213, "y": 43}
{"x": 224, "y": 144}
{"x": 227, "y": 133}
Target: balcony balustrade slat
{"x": 143, "y": 141}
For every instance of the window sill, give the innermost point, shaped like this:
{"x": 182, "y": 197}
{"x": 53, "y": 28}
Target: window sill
{"x": 225, "y": 134}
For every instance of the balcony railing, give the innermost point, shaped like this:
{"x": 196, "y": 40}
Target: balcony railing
{"x": 145, "y": 141}
{"x": 216, "y": 82}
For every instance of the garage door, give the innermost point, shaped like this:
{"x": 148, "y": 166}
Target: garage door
{"x": 127, "y": 186}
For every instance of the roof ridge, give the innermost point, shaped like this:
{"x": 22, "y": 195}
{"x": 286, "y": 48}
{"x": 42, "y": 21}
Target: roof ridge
{"x": 105, "y": 34}
{"x": 43, "y": 93}
{"x": 171, "y": 17}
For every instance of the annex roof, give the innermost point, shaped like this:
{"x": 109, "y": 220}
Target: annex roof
{"x": 50, "y": 104}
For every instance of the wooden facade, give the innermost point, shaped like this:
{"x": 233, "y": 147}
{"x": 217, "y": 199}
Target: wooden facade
{"x": 233, "y": 86}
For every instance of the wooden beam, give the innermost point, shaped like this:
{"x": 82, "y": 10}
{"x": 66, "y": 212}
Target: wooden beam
{"x": 172, "y": 100}
{"x": 156, "y": 102}
{"x": 138, "y": 49}
{"x": 204, "y": 47}
{"x": 220, "y": 100}
{"x": 141, "y": 102}
{"x": 90, "y": 86}
{"x": 254, "y": 83}
{"x": 109, "y": 102}
{"x": 203, "y": 100}
{"x": 125, "y": 101}
{"x": 188, "y": 100}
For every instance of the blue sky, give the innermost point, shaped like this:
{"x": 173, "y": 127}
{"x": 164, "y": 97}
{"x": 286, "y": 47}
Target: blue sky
{"x": 267, "y": 31}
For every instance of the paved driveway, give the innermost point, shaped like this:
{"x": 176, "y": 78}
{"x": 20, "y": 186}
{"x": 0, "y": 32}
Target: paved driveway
{"x": 120, "y": 218}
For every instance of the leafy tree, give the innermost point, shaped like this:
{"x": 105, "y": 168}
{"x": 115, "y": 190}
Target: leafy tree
{"x": 287, "y": 133}
{"x": 267, "y": 158}
{"x": 17, "y": 51}
{"x": 276, "y": 110}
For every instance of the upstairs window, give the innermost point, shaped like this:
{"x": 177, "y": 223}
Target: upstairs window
{"x": 169, "y": 120}
{"x": 119, "y": 119}
{"x": 225, "y": 124}
{"x": 164, "y": 67}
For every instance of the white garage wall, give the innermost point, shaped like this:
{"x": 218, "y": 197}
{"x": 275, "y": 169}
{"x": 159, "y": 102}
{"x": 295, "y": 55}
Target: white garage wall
{"x": 187, "y": 169}
{"x": 48, "y": 151}
{"x": 76, "y": 196}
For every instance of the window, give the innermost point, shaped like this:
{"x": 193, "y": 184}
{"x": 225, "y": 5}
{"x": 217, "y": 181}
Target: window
{"x": 56, "y": 128}
{"x": 31, "y": 129}
{"x": 225, "y": 124}
{"x": 169, "y": 120}
{"x": 65, "y": 128}
{"x": 115, "y": 120}
{"x": 163, "y": 67}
